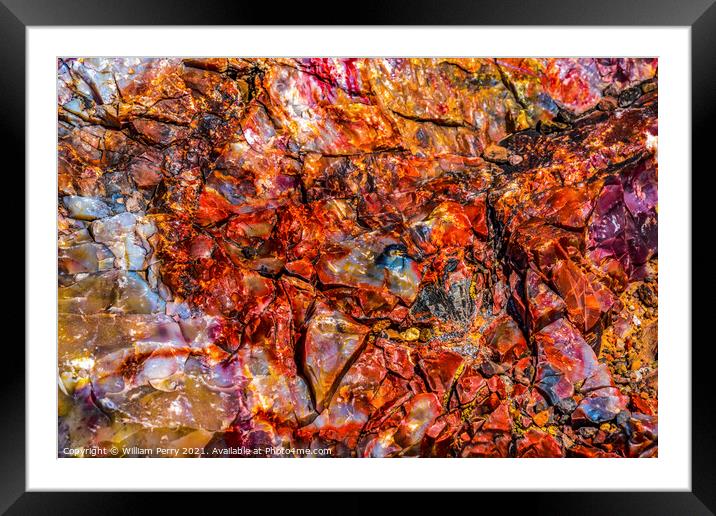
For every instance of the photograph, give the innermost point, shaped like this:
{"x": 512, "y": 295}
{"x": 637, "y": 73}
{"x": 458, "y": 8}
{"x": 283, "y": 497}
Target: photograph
{"x": 357, "y": 257}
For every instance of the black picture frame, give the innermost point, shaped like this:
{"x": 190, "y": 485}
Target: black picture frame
{"x": 700, "y": 15}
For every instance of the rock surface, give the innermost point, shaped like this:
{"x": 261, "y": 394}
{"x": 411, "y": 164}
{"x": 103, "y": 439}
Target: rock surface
{"x": 358, "y": 257}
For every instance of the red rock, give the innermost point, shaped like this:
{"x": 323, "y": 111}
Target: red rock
{"x": 442, "y": 433}
{"x": 497, "y": 385}
{"x": 301, "y": 296}
{"x": 494, "y": 438}
{"x": 566, "y": 365}
{"x": 450, "y": 104}
{"x": 471, "y": 386}
{"x": 586, "y": 298}
{"x": 643, "y": 435}
{"x": 530, "y": 402}
{"x": 543, "y": 244}
{"x": 392, "y": 393}
{"x": 538, "y": 444}
{"x": 420, "y": 411}
{"x": 566, "y": 206}
{"x": 302, "y": 268}
{"x": 145, "y": 172}
{"x": 645, "y": 406}
{"x": 345, "y": 417}
{"x": 590, "y": 452}
{"x": 377, "y": 303}
{"x": 440, "y": 369}
{"x": 333, "y": 341}
{"x": 346, "y": 123}
{"x": 397, "y": 359}
{"x": 573, "y": 83}
{"x": 505, "y": 337}
{"x": 499, "y": 420}
{"x": 523, "y": 370}
{"x": 346, "y": 73}
{"x": 544, "y": 304}
{"x": 447, "y": 225}
{"x": 563, "y": 360}
{"x": 477, "y": 213}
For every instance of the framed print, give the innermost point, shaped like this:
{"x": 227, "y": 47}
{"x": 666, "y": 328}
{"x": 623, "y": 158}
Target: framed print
{"x": 446, "y": 252}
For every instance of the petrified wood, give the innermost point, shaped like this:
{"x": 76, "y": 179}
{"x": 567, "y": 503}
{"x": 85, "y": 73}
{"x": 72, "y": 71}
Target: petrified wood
{"x": 358, "y": 257}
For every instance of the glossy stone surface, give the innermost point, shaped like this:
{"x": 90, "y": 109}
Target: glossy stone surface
{"x": 339, "y": 257}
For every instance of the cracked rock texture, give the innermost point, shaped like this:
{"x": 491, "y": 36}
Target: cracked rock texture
{"x": 358, "y": 257}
